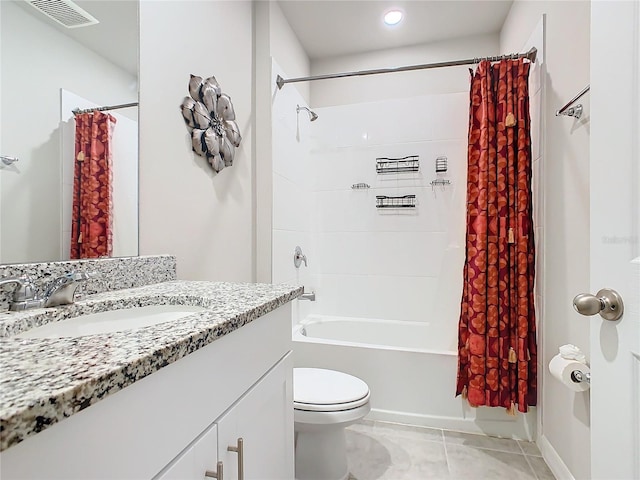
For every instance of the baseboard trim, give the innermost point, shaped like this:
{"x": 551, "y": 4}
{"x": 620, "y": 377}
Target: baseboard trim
{"x": 522, "y": 429}
{"x": 555, "y": 463}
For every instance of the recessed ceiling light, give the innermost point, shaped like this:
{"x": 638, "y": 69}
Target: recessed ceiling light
{"x": 393, "y": 17}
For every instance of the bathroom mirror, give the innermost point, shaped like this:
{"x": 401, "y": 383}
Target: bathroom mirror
{"x": 47, "y": 70}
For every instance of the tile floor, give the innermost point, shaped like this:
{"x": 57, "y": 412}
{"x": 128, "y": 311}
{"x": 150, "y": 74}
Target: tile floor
{"x": 378, "y": 450}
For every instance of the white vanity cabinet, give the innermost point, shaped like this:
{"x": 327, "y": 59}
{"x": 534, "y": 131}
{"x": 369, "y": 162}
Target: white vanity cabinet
{"x": 197, "y": 460}
{"x": 253, "y": 436}
{"x": 179, "y": 421}
{"x": 263, "y": 419}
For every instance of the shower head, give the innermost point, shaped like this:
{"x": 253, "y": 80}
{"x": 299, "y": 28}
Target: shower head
{"x": 313, "y": 116}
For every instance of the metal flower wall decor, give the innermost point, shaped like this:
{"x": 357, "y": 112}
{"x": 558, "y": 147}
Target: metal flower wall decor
{"x": 210, "y": 119}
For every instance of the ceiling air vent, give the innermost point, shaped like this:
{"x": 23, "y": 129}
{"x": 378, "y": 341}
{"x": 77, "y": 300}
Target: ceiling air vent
{"x": 65, "y": 12}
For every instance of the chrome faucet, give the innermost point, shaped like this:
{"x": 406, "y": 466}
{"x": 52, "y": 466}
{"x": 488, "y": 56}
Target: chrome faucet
{"x": 60, "y": 291}
{"x": 24, "y": 295}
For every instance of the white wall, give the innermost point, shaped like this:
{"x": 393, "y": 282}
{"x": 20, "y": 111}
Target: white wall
{"x": 399, "y": 85}
{"x": 262, "y": 178}
{"x": 187, "y": 210}
{"x": 287, "y": 51}
{"x": 274, "y": 42}
{"x": 37, "y": 61}
{"x": 565, "y": 224}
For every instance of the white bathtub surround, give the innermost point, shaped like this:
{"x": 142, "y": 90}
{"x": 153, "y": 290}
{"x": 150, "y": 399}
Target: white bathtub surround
{"x": 411, "y": 374}
{"x": 393, "y": 264}
{"x": 389, "y": 261}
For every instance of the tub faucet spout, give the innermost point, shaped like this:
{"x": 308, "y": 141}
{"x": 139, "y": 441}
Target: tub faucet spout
{"x": 308, "y": 296}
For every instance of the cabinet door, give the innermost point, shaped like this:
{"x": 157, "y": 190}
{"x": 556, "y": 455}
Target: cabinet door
{"x": 263, "y": 418}
{"x": 200, "y": 456}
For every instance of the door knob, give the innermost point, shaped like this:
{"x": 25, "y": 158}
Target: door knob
{"x": 607, "y": 302}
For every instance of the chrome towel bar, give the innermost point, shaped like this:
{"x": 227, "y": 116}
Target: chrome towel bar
{"x": 573, "y": 111}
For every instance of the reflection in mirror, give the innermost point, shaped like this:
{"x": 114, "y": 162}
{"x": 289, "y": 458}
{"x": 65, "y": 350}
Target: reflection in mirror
{"x": 47, "y": 71}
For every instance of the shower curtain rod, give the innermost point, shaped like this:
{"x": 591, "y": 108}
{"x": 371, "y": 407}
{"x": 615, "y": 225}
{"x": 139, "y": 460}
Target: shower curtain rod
{"x": 530, "y": 55}
{"x": 77, "y": 111}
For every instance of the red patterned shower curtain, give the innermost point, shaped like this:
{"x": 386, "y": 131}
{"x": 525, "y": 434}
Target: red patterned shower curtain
{"x": 91, "y": 225}
{"x": 497, "y": 329}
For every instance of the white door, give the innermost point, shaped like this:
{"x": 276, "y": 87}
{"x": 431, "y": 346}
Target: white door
{"x": 615, "y": 240}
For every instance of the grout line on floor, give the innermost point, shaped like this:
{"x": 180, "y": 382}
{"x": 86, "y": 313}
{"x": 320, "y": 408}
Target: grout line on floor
{"x": 521, "y": 449}
{"x": 446, "y": 454}
{"x": 488, "y": 448}
{"x": 535, "y": 475}
{"x": 417, "y": 427}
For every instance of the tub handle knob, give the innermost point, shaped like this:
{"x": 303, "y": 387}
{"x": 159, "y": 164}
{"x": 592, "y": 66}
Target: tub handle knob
{"x": 299, "y": 257}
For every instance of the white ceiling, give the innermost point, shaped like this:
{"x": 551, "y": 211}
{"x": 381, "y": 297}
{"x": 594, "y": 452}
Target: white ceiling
{"x": 329, "y": 28}
{"x": 115, "y": 37}
{"x": 325, "y": 28}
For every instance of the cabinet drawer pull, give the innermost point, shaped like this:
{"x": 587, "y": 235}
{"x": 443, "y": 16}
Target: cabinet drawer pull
{"x": 217, "y": 474}
{"x": 239, "y": 449}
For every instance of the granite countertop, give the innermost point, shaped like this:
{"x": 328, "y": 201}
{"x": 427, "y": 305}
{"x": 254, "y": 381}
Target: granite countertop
{"x": 44, "y": 380}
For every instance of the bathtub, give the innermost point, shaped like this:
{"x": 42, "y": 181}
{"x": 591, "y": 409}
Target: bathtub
{"x": 410, "y": 368}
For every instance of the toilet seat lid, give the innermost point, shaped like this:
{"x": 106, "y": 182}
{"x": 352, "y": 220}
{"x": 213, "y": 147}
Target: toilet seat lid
{"x": 318, "y": 389}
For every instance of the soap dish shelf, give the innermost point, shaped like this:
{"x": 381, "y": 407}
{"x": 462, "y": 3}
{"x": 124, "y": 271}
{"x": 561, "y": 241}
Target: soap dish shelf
{"x": 409, "y": 163}
{"x": 404, "y": 201}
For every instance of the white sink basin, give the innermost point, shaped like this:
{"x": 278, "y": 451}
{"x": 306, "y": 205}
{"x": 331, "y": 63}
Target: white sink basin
{"x": 111, "y": 321}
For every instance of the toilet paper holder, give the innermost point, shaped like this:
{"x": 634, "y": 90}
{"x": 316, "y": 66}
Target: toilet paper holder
{"x": 578, "y": 376}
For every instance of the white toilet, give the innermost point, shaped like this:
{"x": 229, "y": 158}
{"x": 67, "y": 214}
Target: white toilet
{"x": 325, "y": 402}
